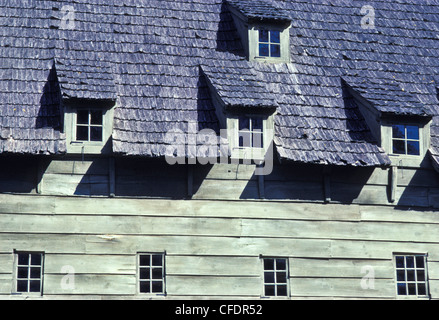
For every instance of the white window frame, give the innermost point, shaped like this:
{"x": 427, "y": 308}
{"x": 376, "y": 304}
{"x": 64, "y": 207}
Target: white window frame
{"x": 28, "y": 278}
{"x": 415, "y": 269}
{"x": 87, "y": 147}
{"x": 287, "y": 271}
{"x": 163, "y": 279}
{"x": 253, "y": 36}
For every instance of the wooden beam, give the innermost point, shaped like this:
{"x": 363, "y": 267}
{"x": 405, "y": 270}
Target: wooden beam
{"x": 393, "y": 183}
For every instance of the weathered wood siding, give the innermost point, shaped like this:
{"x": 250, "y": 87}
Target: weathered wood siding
{"x": 213, "y": 248}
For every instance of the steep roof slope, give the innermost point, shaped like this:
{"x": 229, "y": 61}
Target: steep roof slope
{"x": 149, "y": 55}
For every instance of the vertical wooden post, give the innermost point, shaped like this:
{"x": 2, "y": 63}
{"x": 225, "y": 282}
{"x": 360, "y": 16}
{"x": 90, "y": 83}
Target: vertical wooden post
{"x": 112, "y": 177}
{"x": 261, "y": 181}
{"x": 40, "y": 176}
{"x": 393, "y": 183}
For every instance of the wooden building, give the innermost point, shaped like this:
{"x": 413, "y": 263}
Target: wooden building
{"x": 219, "y": 149}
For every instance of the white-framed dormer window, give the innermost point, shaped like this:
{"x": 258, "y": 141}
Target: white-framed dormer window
{"x": 406, "y": 140}
{"x": 250, "y": 136}
{"x": 88, "y": 128}
{"x": 269, "y": 43}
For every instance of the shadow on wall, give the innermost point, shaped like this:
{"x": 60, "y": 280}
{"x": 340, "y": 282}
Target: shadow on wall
{"x": 228, "y": 39}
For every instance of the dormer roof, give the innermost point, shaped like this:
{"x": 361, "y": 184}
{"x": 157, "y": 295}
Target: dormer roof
{"x": 260, "y": 10}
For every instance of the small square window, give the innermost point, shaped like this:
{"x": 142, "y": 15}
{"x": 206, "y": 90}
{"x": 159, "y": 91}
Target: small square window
{"x": 406, "y": 140}
{"x": 275, "y": 277}
{"x": 251, "y": 133}
{"x": 29, "y": 272}
{"x": 411, "y": 275}
{"x": 89, "y": 125}
{"x": 269, "y": 43}
{"x": 151, "y": 273}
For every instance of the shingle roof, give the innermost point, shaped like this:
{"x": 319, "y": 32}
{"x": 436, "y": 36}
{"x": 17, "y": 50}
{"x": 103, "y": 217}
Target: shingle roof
{"x": 260, "y": 10}
{"x": 158, "y": 56}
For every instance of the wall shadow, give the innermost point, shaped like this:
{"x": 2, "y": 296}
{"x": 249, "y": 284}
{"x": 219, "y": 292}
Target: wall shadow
{"x": 227, "y": 37}
{"x": 49, "y": 114}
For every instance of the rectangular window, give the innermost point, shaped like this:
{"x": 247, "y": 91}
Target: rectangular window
{"x": 411, "y": 275}
{"x": 89, "y": 125}
{"x": 406, "y": 140}
{"x": 251, "y": 132}
{"x": 151, "y": 273}
{"x": 269, "y": 43}
{"x": 275, "y": 277}
{"x": 29, "y": 272}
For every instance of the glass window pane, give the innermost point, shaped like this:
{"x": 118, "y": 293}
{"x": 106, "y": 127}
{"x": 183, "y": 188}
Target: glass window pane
{"x": 22, "y": 273}
{"x": 400, "y": 275}
{"x": 398, "y": 132}
{"x": 35, "y": 286}
{"x": 411, "y": 275}
{"x": 96, "y": 134}
{"x": 282, "y": 291}
{"x": 257, "y": 124}
{"x": 275, "y": 50}
{"x": 23, "y": 259}
{"x": 412, "y": 289}
{"x": 268, "y": 264}
{"x": 400, "y": 262}
{"x": 422, "y": 290}
{"x": 402, "y": 289}
{"x": 264, "y": 50}
{"x": 145, "y": 274}
{"x": 145, "y": 260}
{"x": 399, "y": 147}
{"x": 281, "y": 264}
{"x": 96, "y": 117}
{"x": 145, "y": 287}
{"x": 82, "y": 117}
{"x": 157, "y": 260}
{"x": 157, "y": 273}
{"x": 275, "y": 36}
{"x": 420, "y": 274}
{"x": 36, "y": 259}
{"x": 244, "y": 123}
{"x": 420, "y": 262}
{"x": 82, "y": 133}
{"x": 258, "y": 140}
{"x": 269, "y": 277}
{"x": 263, "y": 36}
{"x": 35, "y": 273}
{"x": 245, "y": 139}
{"x": 412, "y": 132}
{"x": 281, "y": 277}
{"x": 157, "y": 286}
{"x": 410, "y": 262}
{"x": 413, "y": 148}
{"x": 22, "y": 285}
{"x": 270, "y": 290}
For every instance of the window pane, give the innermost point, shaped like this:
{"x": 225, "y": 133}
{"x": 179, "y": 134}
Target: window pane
{"x": 399, "y": 147}
{"x": 23, "y": 259}
{"x": 96, "y": 117}
{"x": 264, "y": 50}
{"x": 157, "y": 260}
{"x": 413, "y": 148}
{"x": 420, "y": 274}
{"x": 269, "y": 264}
{"x": 269, "y": 277}
{"x": 144, "y": 274}
{"x": 157, "y": 286}
{"x": 400, "y": 275}
{"x": 145, "y": 260}
{"x": 257, "y": 124}
{"x": 145, "y": 287}
{"x": 412, "y": 133}
{"x": 422, "y": 290}
{"x": 398, "y": 132}
{"x": 263, "y": 36}
{"x": 22, "y": 285}
{"x": 258, "y": 140}
{"x": 282, "y": 291}
{"x": 36, "y": 259}
{"x": 35, "y": 286}
{"x": 281, "y": 277}
{"x": 244, "y": 123}
{"x": 275, "y": 36}
{"x": 245, "y": 139}
{"x": 270, "y": 291}
{"x": 420, "y": 262}
{"x": 411, "y": 275}
{"x": 281, "y": 264}
{"x": 96, "y": 134}
{"x": 157, "y": 273}
{"x": 410, "y": 262}
{"x": 22, "y": 273}
{"x": 412, "y": 289}
{"x": 82, "y": 133}
{"x": 400, "y": 262}
{"x": 82, "y": 117}
{"x": 275, "y": 50}
{"x": 402, "y": 289}
{"x": 35, "y": 273}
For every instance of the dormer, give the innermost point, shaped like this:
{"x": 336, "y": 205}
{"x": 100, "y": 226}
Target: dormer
{"x": 264, "y": 30}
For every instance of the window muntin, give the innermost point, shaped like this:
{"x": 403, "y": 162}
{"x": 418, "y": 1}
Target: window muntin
{"x": 251, "y": 132}
{"x": 411, "y": 275}
{"x": 29, "y": 272}
{"x": 275, "y": 277}
{"x": 406, "y": 140}
{"x": 151, "y": 273}
{"x": 89, "y": 125}
{"x": 269, "y": 43}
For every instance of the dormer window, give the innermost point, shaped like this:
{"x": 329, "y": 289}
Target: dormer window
{"x": 251, "y": 132}
{"x": 406, "y": 140}
{"x": 89, "y": 125}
